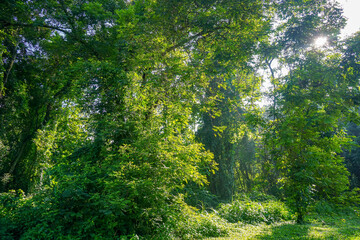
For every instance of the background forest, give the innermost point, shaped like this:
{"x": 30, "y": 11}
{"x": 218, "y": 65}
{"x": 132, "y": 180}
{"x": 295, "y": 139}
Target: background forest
{"x": 133, "y": 119}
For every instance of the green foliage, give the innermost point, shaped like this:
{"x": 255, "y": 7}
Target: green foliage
{"x": 76, "y": 209}
{"x": 76, "y": 214}
{"x": 324, "y": 207}
{"x": 104, "y": 103}
{"x": 194, "y": 224}
{"x": 248, "y": 211}
{"x": 307, "y": 135}
{"x": 225, "y": 131}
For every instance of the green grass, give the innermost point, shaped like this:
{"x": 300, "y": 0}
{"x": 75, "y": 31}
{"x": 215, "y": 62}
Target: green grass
{"x": 337, "y": 226}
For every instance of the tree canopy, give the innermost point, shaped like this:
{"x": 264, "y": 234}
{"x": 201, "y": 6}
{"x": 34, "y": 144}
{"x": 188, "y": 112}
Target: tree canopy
{"x": 114, "y": 114}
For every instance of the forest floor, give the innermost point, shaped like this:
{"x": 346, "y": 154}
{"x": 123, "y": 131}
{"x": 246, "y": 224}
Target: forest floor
{"x": 336, "y": 226}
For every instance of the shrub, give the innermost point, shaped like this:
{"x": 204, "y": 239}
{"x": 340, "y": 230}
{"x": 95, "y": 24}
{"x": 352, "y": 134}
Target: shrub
{"x": 324, "y": 207}
{"x": 198, "y": 196}
{"x": 249, "y": 211}
{"x": 192, "y": 223}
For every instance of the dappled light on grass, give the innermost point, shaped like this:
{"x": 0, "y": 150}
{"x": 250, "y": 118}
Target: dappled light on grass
{"x": 317, "y": 232}
{"x": 344, "y": 225}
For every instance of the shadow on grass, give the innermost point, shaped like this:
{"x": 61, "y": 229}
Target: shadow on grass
{"x": 349, "y": 229}
{"x": 287, "y": 231}
{"x": 334, "y": 228}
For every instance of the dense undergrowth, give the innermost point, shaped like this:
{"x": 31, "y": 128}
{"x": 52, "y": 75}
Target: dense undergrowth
{"x": 48, "y": 217}
{"x": 342, "y": 223}
{"x": 248, "y": 211}
{"x": 246, "y": 217}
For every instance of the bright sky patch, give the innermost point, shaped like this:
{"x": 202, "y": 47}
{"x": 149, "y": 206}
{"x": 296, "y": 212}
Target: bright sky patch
{"x": 320, "y": 41}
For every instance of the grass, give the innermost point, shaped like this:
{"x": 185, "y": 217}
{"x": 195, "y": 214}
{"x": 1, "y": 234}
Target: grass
{"x": 343, "y": 225}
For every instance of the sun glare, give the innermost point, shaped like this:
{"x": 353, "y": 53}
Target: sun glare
{"x": 320, "y": 41}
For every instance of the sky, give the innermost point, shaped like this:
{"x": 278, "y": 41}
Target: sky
{"x": 352, "y": 13}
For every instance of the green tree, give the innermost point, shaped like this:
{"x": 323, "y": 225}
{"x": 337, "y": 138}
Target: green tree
{"x": 124, "y": 76}
{"x": 291, "y": 40}
{"x": 309, "y": 134}
{"x": 225, "y": 131}
{"x": 351, "y": 70}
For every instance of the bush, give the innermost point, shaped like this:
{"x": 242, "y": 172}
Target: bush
{"x": 75, "y": 214}
{"x": 194, "y": 224}
{"x": 199, "y": 196}
{"x": 324, "y": 207}
{"x": 67, "y": 211}
{"x": 248, "y": 211}
{"x": 11, "y": 224}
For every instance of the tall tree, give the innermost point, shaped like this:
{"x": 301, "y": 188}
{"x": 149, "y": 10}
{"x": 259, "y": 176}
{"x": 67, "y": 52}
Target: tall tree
{"x": 303, "y": 135}
{"x": 309, "y": 134}
{"x": 127, "y": 74}
{"x": 225, "y": 131}
{"x": 351, "y": 70}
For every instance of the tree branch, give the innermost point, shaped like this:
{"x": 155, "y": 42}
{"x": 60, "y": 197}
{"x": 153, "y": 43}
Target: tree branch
{"x": 17, "y": 24}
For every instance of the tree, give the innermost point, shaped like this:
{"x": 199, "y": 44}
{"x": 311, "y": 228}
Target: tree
{"x": 351, "y": 70}
{"x": 301, "y": 130}
{"x": 225, "y": 131}
{"x": 126, "y": 75}
{"x": 309, "y": 134}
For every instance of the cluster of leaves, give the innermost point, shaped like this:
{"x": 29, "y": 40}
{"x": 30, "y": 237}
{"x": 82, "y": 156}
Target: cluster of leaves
{"x": 74, "y": 213}
{"x": 248, "y": 211}
{"x": 192, "y": 223}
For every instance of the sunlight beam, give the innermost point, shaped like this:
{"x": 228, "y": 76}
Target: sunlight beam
{"x": 320, "y": 42}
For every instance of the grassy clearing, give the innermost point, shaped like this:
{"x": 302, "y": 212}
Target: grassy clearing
{"x": 192, "y": 223}
{"x": 337, "y": 226}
